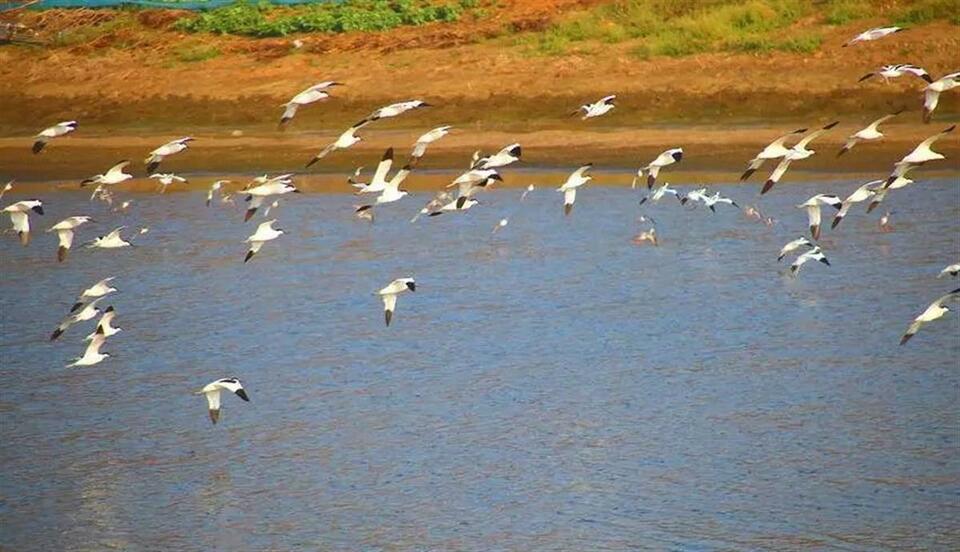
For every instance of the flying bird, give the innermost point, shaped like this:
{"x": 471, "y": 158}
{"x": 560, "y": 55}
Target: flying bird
{"x": 92, "y": 354}
{"x": 888, "y": 72}
{"x": 952, "y": 270}
{"x": 796, "y": 153}
{"x": 6, "y": 188}
{"x": 437, "y": 202}
{"x": 775, "y": 150}
{"x": 872, "y": 34}
{"x": 114, "y": 175}
{"x": 935, "y": 311}
{"x": 215, "y": 187}
{"x": 596, "y": 109}
{"x": 812, "y": 206}
{"x": 666, "y": 158}
{"x": 344, "y": 141}
{"x": 212, "y": 392}
{"x": 97, "y": 290}
{"x": 87, "y": 312}
{"x": 660, "y": 192}
{"x": 793, "y": 246}
{"x": 931, "y": 95}
{"x": 391, "y": 191}
{"x": 265, "y": 232}
{"x": 20, "y": 217}
{"x": 814, "y": 254}
{"x": 47, "y": 134}
{"x": 166, "y": 179}
{"x": 64, "y": 230}
{"x": 104, "y": 325}
{"x": 257, "y": 195}
{"x": 170, "y": 148}
{"x": 395, "y": 109}
{"x": 379, "y": 181}
{"x": 881, "y": 192}
{"x": 920, "y": 155}
{"x": 859, "y": 195}
{"x": 460, "y": 204}
{"x": 866, "y": 134}
{"x": 711, "y": 201}
{"x": 506, "y": 156}
{"x": 313, "y": 94}
{"x": 110, "y": 241}
{"x": 389, "y": 295}
{"x": 420, "y": 147}
{"x": 576, "y": 179}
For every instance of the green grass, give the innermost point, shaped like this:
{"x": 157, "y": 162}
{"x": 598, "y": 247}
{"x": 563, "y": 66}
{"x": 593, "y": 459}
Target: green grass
{"x": 263, "y": 20}
{"x": 676, "y": 28}
{"x": 190, "y": 53}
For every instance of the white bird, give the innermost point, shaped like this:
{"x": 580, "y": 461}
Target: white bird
{"x": 104, "y": 325}
{"x": 257, "y": 195}
{"x": 658, "y": 194}
{"x": 797, "y": 152}
{"x": 501, "y": 224}
{"x": 366, "y": 213}
{"x": 711, "y": 201}
{"x": 344, "y": 141}
{"x": 527, "y": 191}
{"x": 6, "y": 188}
{"x": 870, "y": 132}
{"x": 110, "y": 241}
{"x": 166, "y": 179}
{"x": 920, "y": 155}
{"x": 881, "y": 192}
{"x": 468, "y": 189}
{"x": 872, "y": 34}
{"x": 506, "y": 156}
{"x": 20, "y": 217}
{"x": 813, "y": 255}
{"x": 114, "y": 175}
{"x": 379, "y": 181}
{"x": 438, "y": 201}
{"x": 931, "y": 95}
{"x": 793, "y": 246}
{"x": 460, "y": 204}
{"x": 666, "y": 158}
{"x": 897, "y": 70}
{"x": 596, "y": 109}
{"x": 313, "y": 94}
{"x": 859, "y": 195}
{"x": 392, "y": 191}
{"x": 170, "y": 148}
{"x": 97, "y": 290}
{"x": 215, "y": 187}
{"x": 47, "y": 134}
{"x": 395, "y": 109}
{"x": 87, "y": 312}
{"x": 775, "y": 150}
{"x": 420, "y": 147}
{"x": 695, "y": 196}
{"x": 933, "y": 312}
{"x": 92, "y": 354}
{"x": 265, "y": 232}
{"x": 576, "y": 179}
{"x": 64, "y": 230}
{"x": 952, "y": 270}
{"x": 812, "y": 206}
{"x": 389, "y": 295}
{"x": 212, "y": 392}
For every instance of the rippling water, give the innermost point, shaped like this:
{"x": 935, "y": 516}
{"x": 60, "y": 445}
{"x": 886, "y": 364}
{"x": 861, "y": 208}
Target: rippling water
{"x": 550, "y": 387}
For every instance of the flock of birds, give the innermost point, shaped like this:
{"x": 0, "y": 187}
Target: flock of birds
{"x": 482, "y": 173}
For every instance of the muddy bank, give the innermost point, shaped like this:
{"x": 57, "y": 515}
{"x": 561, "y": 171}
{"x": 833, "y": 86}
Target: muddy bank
{"x": 712, "y": 154}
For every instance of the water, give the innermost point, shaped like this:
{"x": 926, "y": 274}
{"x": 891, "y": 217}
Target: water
{"x": 550, "y": 387}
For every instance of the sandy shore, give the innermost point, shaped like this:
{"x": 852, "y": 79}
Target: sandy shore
{"x": 712, "y": 155}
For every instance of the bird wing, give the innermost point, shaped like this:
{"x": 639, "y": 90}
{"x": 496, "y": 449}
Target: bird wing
{"x": 213, "y": 403}
{"x": 952, "y": 296}
{"x": 383, "y": 167}
{"x": 569, "y": 196}
{"x": 782, "y": 167}
{"x": 117, "y": 169}
{"x": 580, "y": 172}
{"x": 813, "y": 215}
{"x": 881, "y": 120}
{"x": 66, "y": 237}
{"x": 20, "y": 220}
{"x": 931, "y": 98}
{"x": 778, "y": 143}
{"x": 607, "y": 99}
{"x": 389, "y": 301}
{"x": 399, "y": 177}
{"x": 929, "y": 141}
{"x": 814, "y": 135}
{"x": 93, "y": 348}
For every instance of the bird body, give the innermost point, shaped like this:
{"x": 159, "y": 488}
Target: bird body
{"x": 49, "y": 133}
{"x": 894, "y": 71}
{"x": 420, "y": 147}
{"x": 20, "y": 217}
{"x": 104, "y": 325}
{"x": 170, "y": 148}
{"x": 814, "y": 254}
{"x": 313, "y": 94}
{"x": 506, "y": 156}
{"x": 92, "y": 354}
{"x": 576, "y": 179}
{"x": 794, "y": 245}
{"x": 110, "y": 241}
{"x": 114, "y": 175}
{"x": 869, "y": 133}
{"x": 166, "y": 179}
{"x": 344, "y": 141}
{"x": 796, "y": 153}
{"x": 931, "y": 95}
{"x": 872, "y": 34}
{"x": 812, "y": 206}
{"x": 395, "y": 109}
{"x": 389, "y": 295}
{"x": 859, "y": 195}
{"x": 265, "y": 232}
{"x": 212, "y": 393}
{"x": 935, "y": 311}
{"x": 775, "y": 150}
{"x": 87, "y": 312}
{"x": 64, "y": 230}
{"x": 258, "y": 194}
{"x": 600, "y": 107}
{"x": 669, "y": 157}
